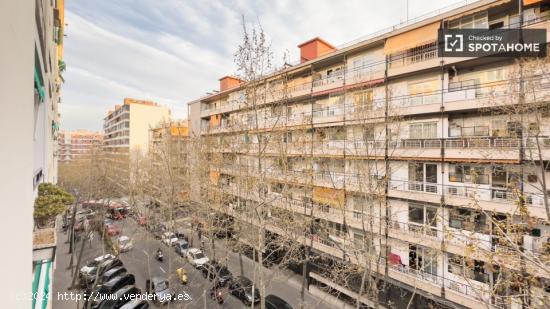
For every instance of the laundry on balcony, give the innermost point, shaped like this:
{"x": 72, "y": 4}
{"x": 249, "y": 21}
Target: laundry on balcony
{"x": 394, "y": 259}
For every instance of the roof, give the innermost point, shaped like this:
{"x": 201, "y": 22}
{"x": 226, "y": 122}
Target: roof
{"x": 374, "y": 38}
{"x": 317, "y": 39}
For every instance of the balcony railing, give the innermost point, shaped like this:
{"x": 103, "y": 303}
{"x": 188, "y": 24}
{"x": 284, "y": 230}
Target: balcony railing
{"x": 483, "y": 194}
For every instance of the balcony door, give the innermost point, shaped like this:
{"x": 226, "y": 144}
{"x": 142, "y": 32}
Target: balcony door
{"x": 423, "y": 177}
{"x": 423, "y": 259}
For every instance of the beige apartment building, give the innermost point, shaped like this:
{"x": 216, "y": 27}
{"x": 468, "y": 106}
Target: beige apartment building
{"x": 169, "y": 146}
{"x": 126, "y": 131}
{"x": 78, "y": 145}
{"x": 407, "y": 162}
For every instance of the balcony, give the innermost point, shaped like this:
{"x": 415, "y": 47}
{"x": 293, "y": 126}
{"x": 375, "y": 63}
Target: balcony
{"x": 366, "y": 73}
{"x": 473, "y": 196}
{"x": 329, "y": 179}
{"x": 414, "y": 59}
{"x": 326, "y": 114}
{"x": 329, "y": 82}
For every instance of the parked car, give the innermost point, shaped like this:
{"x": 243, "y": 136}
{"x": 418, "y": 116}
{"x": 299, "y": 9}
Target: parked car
{"x": 113, "y": 272}
{"x": 98, "y": 260}
{"x": 196, "y": 258}
{"x": 181, "y": 235}
{"x": 136, "y": 304}
{"x": 169, "y": 238}
{"x": 242, "y": 288}
{"x": 160, "y": 288}
{"x": 112, "y": 229}
{"x": 181, "y": 246}
{"x": 89, "y": 277}
{"x": 212, "y": 270}
{"x": 275, "y": 302}
{"x": 119, "y": 298}
{"x": 157, "y": 230}
{"x": 125, "y": 244}
{"x": 110, "y": 287}
{"x": 182, "y": 275}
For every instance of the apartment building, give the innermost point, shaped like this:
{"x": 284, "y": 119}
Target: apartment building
{"x": 78, "y": 145}
{"x": 32, "y": 63}
{"x": 428, "y": 157}
{"x": 127, "y": 129}
{"x": 169, "y": 149}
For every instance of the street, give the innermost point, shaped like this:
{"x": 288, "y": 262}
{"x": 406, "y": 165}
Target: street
{"x": 141, "y": 263}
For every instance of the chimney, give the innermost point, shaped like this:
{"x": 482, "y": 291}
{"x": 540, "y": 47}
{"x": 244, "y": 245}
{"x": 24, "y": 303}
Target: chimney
{"x": 314, "y": 48}
{"x": 228, "y": 82}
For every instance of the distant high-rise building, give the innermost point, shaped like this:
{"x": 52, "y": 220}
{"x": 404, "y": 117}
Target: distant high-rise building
{"x": 127, "y": 130}
{"x": 78, "y": 145}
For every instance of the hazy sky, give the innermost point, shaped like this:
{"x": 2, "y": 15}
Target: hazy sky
{"x": 173, "y": 51}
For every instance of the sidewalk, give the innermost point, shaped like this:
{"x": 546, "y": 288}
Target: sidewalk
{"x": 62, "y": 275}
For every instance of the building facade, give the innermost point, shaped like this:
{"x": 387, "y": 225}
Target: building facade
{"x": 32, "y": 64}
{"x": 407, "y": 163}
{"x": 127, "y": 130}
{"x": 78, "y": 145}
{"x": 169, "y": 149}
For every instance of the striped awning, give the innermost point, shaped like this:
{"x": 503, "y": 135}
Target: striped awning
{"x": 41, "y": 284}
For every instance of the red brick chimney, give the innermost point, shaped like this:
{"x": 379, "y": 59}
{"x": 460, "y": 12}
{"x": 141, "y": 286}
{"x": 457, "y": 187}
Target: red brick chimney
{"x": 228, "y": 82}
{"x": 314, "y": 48}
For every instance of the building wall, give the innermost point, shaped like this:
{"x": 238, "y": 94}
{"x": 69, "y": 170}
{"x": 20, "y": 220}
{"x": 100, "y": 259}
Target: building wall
{"x": 445, "y": 119}
{"x": 26, "y": 131}
{"x": 142, "y": 119}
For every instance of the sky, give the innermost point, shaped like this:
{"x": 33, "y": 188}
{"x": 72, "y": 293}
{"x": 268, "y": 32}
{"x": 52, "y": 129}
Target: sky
{"x": 174, "y": 51}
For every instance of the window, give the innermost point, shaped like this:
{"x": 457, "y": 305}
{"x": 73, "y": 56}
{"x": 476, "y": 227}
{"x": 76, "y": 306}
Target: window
{"x": 423, "y": 130}
{"x": 469, "y": 174}
{"x": 358, "y": 240}
{"x": 358, "y": 204}
{"x": 457, "y": 265}
{"x": 466, "y": 219}
{"x": 532, "y": 178}
{"x": 423, "y": 259}
{"x": 362, "y": 100}
{"x": 368, "y": 133}
{"x": 338, "y": 134}
{"x": 422, "y": 214}
{"x": 424, "y": 92}
{"x": 287, "y": 137}
{"x": 477, "y": 21}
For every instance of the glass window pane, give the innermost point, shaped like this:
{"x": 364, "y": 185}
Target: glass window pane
{"x": 416, "y": 213}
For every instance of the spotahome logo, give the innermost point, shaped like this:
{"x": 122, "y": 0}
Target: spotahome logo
{"x": 492, "y": 43}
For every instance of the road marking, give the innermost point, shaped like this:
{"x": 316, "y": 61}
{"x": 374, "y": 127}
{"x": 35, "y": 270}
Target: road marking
{"x": 145, "y": 252}
{"x": 162, "y": 269}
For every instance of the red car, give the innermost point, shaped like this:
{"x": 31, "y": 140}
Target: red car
{"x": 112, "y": 230}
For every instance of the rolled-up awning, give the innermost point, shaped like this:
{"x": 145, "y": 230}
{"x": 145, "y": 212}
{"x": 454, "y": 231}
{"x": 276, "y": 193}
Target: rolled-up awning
{"x": 410, "y": 39}
{"x": 328, "y": 196}
{"x": 529, "y": 2}
{"x": 41, "y": 284}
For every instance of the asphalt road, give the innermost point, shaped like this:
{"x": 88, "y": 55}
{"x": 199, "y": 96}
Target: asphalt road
{"x": 141, "y": 262}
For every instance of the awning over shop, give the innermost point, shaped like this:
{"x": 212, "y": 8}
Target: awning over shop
{"x": 410, "y": 39}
